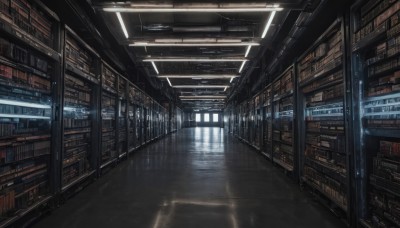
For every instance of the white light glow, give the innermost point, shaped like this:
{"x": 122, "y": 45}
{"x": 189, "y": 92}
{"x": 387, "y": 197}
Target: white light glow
{"x": 199, "y": 86}
{"x": 241, "y": 67}
{"x": 24, "y": 116}
{"x": 193, "y": 8}
{"x": 169, "y": 82}
{"x": 155, "y": 67}
{"x": 199, "y": 44}
{"x": 231, "y": 80}
{"x": 23, "y": 104}
{"x": 247, "y": 51}
{"x": 121, "y": 22}
{"x": 203, "y": 97}
{"x": 200, "y": 76}
{"x": 271, "y": 17}
{"x": 225, "y": 88}
{"x": 193, "y": 60}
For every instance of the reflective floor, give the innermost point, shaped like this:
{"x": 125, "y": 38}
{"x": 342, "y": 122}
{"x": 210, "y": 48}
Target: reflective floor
{"x": 198, "y": 177}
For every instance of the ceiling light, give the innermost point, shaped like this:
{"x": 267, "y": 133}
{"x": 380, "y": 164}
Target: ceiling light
{"x": 121, "y": 22}
{"x": 231, "y": 80}
{"x": 194, "y": 8}
{"x": 200, "y": 76}
{"x": 226, "y": 87}
{"x": 271, "y": 17}
{"x": 155, "y": 67}
{"x": 169, "y": 82}
{"x": 247, "y": 51}
{"x": 168, "y": 40}
{"x": 166, "y": 59}
{"x": 241, "y": 67}
{"x": 199, "y": 40}
{"x": 199, "y": 44}
{"x": 199, "y": 86}
{"x": 203, "y": 97}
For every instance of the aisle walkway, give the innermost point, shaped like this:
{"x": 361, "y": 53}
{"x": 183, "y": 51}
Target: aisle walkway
{"x": 198, "y": 177}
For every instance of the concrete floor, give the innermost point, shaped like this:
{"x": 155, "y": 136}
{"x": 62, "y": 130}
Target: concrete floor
{"x": 198, "y": 177}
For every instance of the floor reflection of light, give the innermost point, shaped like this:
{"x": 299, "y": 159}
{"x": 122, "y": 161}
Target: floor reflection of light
{"x": 165, "y": 214}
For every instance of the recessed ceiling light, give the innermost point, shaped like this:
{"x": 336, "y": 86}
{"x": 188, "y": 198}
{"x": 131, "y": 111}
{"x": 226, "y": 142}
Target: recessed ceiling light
{"x": 199, "y": 86}
{"x": 199, "y": 44}
{"x": 169, "y": 82}
{"x": 200, "y": 76}
{"x": 166, "y": 59}
{"x": 121, "y": 22}
{"x": 241, "y": 67}
{"x": 271, "y": 17}
{"x": 195, "y": 8}
{"x": 155, "y": 67}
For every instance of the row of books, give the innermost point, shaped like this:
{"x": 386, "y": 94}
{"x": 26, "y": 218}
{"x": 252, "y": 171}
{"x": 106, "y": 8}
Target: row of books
{"x": 24, "y": 56}
{"x": 328, "y": 94}
{"x": 109, "y": 78}
{"x": 29, "y": 18}
{"x": 383, "y": 16}
{"x": 18, "y": 110}
{"x": 21, "y": 151}
{"x": 324, "y": 57}
{"x": 327, "y": 186}
{"x": 73, "y": 168}
{"x": 330, "y": 79}
{"x": 16, "y": 75}
{"x": 385, "y": 178}
{"x": 79, "y": 57}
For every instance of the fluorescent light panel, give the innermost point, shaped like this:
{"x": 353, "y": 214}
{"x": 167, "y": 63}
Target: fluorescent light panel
{"x": 199, "y": 86}
{"x": 226, "y": 87}
{"x": 271, "y": 17}
{"x": 166, "y": 59}
{"x": 121, "y": 22}
{"x": 23, "y": 104}
{"x": 205, "y": 96}
{"x": 200, "y": 76}
{"x": 241, "y": 67}
{"x": 201, "y": 99}
{"x": 169, "y": 82}
{"x": 195, "y": 8}
{"x": 199, "y": 44}
{"x": 247, "y": 51}
{"x": 231, "y": 80}
{"x": 155, "y": 67}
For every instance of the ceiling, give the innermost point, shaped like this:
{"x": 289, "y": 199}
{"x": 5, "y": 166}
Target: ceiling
{"x": 199, "y": 49}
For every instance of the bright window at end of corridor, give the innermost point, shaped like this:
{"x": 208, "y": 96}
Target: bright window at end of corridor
{"x": 198, "y": 117}
{"x": 215, "y": 117}
{"x": 206, "y": 117}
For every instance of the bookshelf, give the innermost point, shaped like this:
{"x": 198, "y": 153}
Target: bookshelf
{"x": 283, "y": 144}
{"x": 29, "y": 64}
{"x": 258, "y": 122}
{"x": 64, "y": 112}
{"x": 375, "y": 39}
{"x": 267, "y": 122}
{"x": 324, "y": 163}
{"x": 132, "y": 137}
{"x": 122, "y": 117}
{"x": 79, "y": 105}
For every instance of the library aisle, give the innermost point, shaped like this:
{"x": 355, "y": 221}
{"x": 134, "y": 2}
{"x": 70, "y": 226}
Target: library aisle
{"x": 198, "y": 177}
